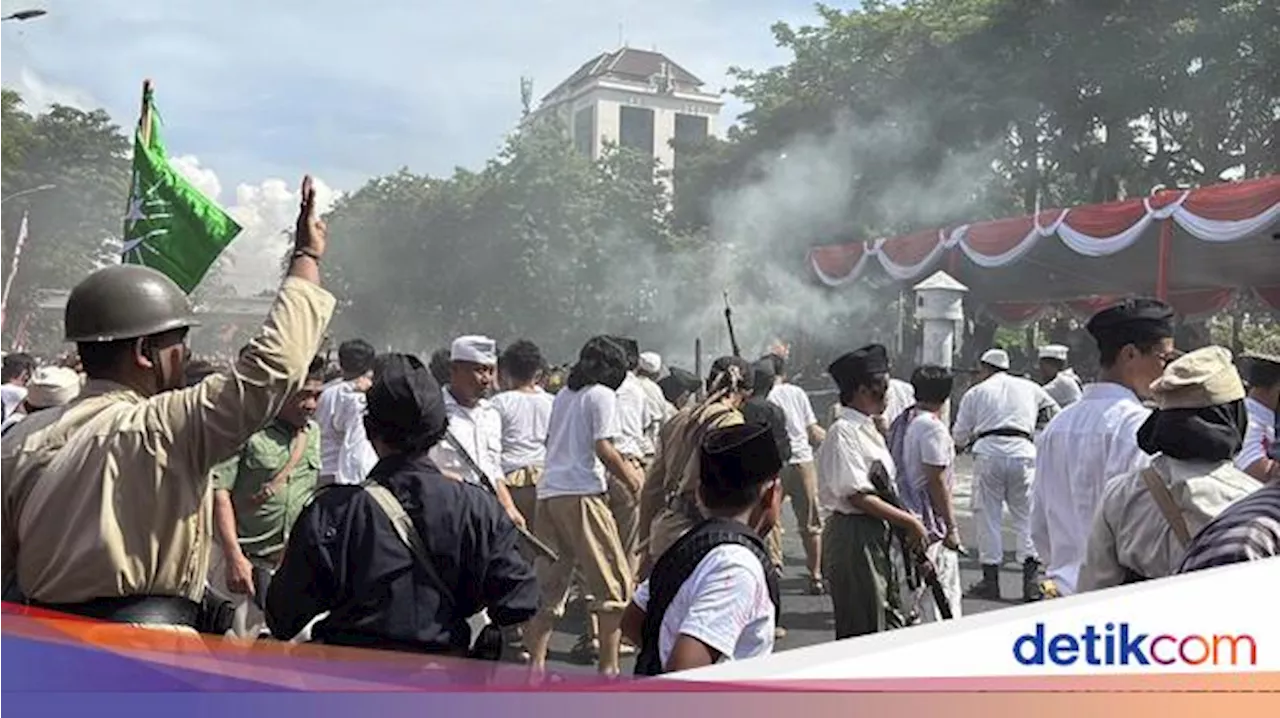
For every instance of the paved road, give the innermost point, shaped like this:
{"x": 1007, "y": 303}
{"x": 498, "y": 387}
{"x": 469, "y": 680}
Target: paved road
{"x": 808, "y": 618}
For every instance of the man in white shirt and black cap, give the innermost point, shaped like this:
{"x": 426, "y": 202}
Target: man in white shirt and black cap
{"x": 852, "y": 459}
{"x": 711, "y": 597}
{"x": 997, "y": 420}
{"x": 1096, "y": 438}
{"x": 475, "y": 426}
{"x": 1060, "y": 382}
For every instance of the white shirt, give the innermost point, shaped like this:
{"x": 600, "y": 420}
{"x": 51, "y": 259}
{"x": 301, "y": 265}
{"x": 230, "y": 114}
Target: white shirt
{"x": 1090, "y": 442}
{"x": 479, "y": 431}
{"x": 578, "y": 420}
{"x": 1001, "y": 401}
{"x": 345, "y": 451}
{"x": 1064, "y": 388}
{"x": 1130, "y": 531}
{"x": 633, "y": 418}
{"x": 1258, "y": 436}
{"x": 845, "y": 457}
{"x": 659, "y": 411}
{"x": 330, "y": 439}
{"x": 799, "y": 412}
{"x": 356, "y": 457}
{"x": 901, "y": 396}
{"x": 926, "y": 441}
{"x": 11, "y": 395}
{"x": 525, "y": 416}
{"x": 724, "y": 603}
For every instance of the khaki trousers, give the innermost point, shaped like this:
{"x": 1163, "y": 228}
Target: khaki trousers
{"x": 583, "y": 533}
{"x": 625, "y": 507}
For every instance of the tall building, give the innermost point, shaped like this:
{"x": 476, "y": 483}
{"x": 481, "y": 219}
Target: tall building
{"x": 634, "y": 98}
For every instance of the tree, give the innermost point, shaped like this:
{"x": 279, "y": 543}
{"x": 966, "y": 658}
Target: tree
{"x": 84, "y": 154}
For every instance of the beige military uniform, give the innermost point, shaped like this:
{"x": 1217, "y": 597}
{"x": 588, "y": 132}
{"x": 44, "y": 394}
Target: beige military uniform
{"x": 678, "y": 464}
{"x": 110, "y": 495}
{"x": 1130, "y": 532}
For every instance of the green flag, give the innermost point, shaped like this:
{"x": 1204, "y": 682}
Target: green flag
{"x": 169, "y": 225}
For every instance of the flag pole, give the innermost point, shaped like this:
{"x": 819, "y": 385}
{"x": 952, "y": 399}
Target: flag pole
{"x": 144, "y": 117}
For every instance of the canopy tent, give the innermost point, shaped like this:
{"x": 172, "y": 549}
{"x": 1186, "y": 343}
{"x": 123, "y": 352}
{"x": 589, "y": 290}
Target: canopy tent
{"x": 1197, "y": 249}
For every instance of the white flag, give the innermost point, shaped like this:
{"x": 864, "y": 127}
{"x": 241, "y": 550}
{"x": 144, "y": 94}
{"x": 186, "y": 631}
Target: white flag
{"x": 17, "y": 253}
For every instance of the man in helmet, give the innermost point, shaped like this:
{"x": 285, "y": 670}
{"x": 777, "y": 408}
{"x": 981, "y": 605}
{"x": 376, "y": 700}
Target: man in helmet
{"x": 107, "y": 501}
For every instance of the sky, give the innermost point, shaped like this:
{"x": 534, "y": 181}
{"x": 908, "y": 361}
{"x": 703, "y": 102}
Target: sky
{"x": 255, "y": 94}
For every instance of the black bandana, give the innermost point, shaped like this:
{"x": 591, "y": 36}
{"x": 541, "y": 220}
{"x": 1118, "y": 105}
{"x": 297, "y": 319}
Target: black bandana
{"x": 1213, "y": 433}
{"x": 405, "y": 401}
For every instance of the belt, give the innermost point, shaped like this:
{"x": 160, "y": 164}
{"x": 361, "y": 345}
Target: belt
{"x": 1005, "y": 431}
{"x": 148, "y": 610}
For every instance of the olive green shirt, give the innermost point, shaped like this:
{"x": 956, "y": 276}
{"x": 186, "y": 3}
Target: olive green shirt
{"x": 263, "y": 528}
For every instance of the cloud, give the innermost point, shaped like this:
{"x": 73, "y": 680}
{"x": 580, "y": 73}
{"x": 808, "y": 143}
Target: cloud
{"x": 264, "y": 210}
{"x": 39, "y": 94}
{"x": 347, "y": 92}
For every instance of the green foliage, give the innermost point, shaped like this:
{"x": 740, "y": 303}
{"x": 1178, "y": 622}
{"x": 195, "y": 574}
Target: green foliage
{"x": 1075, "y": 101}
{"x": 84, "y": 155}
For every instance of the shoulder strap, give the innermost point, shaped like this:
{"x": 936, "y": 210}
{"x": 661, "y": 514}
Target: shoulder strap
{"x": 676, "y": 565}
{"x": 300, "y": 443}
{"x": 1160, "y": 492}
{"x": 408, "y": 534}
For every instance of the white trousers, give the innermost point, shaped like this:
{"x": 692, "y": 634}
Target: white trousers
{"x": 249, "y": 621}
{"x": 999, "y": 481}
{"x": 947, "y": 565}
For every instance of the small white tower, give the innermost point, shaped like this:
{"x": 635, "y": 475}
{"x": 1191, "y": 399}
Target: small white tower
{"x": 940, "y": 306}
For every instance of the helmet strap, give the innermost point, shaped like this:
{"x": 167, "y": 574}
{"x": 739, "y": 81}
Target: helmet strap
{"x": 147, "y": 349}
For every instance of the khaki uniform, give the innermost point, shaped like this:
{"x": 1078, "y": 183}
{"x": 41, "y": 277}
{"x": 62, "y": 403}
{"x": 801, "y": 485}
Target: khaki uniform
{"x": 522, "y": 484}
{"x": 110, "y": 495}
{"x": 678, "y": 464}
{"x": 1131, "y": 539}
{"x": 262, "y": 529}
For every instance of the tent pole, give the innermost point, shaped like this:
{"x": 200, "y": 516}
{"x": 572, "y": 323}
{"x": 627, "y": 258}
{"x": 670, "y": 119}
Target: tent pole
{"x": 1164, "y": 257}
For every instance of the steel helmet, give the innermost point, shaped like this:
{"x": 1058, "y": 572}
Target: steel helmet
{"x": 125, "y": 301}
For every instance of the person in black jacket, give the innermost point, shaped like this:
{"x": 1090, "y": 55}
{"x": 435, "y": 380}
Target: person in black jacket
{"x": 346, "y": 557}
{"x": 759, "y": 410}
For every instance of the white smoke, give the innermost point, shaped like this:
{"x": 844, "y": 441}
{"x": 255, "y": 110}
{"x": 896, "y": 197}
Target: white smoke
{"x": 265, "y": 211}
{"x": 760, "y": 233}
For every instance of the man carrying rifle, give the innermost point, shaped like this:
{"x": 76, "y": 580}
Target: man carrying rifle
{"x": 857, "y": 518}
{"x": 473, "y": 444}
{"x": 925, "y": 454}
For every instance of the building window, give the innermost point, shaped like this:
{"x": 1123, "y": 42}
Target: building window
{"x": 690, "y": 130}
{"x": 584, "y": 131}
{"x": 635, "y": 129}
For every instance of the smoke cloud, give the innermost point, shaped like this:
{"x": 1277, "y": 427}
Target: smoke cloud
{"x": 804, "y": 194}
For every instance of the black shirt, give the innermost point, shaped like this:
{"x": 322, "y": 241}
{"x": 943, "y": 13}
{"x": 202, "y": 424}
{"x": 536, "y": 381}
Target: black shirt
{"x": 759, "y": 410}
{"x": 344, "y": 557}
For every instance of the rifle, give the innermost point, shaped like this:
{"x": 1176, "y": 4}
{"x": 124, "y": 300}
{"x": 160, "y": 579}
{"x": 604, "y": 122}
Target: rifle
{"x": 533, "y": 541}
{"x": 916, "y": 563}
{"x": 728, "y": 319}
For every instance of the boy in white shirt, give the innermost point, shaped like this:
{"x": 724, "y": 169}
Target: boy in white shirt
{"x": 925, "y": 454}
{"x": 573, "y": 514}
{"x": 711, "y": 596}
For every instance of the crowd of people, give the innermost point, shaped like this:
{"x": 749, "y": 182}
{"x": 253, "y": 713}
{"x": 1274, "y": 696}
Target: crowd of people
{"x": 456, "y": 506}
